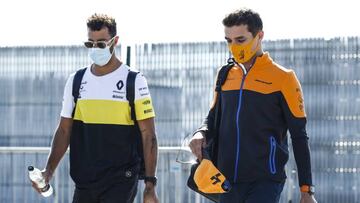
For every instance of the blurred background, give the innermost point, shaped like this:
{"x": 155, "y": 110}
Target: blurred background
{"x": 178, "y": 46}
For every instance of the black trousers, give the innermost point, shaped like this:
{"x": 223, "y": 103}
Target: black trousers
{"x": 120, "y": 192}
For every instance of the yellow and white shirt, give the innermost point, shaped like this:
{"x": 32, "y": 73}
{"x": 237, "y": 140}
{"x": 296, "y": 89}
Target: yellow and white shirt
{"x": 103, "y": 135}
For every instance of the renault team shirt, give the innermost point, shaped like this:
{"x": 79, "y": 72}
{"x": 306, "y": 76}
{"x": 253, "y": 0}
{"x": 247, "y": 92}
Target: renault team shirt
{"x": 103, "y": 137}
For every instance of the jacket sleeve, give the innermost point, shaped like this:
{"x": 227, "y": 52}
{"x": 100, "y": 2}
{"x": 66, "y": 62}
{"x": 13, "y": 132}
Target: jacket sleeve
{"x": 208, "y": 123}
{"x": 295, "y": 116}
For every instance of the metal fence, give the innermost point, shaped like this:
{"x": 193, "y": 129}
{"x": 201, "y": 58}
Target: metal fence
{"x": 172, "y": 177}
{"x": 329, "y": 71}
{"x": 15, "y": 186}
{"x": 181, "y": 77}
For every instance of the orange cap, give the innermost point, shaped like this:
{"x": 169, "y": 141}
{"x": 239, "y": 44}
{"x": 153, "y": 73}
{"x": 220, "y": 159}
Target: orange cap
{"x": 209, "y": 179}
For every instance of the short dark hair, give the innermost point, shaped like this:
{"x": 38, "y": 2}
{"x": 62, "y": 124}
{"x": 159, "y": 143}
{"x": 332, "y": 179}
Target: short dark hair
{"x": 244, "y": 17}
{"x": 97, "y": 22}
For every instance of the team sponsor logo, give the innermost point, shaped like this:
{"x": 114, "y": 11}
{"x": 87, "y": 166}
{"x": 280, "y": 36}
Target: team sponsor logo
{"x": 215, "y": 178}
{"x": 82, "y": 89}
{"x": 143, "y": 88}
{"x": 300, "y": 99}
{"x": 119, "y": 92}
{"x": 242, "y": 54}
{"x": 264, "y": 82}
{"x": 82, "y": 86}
{"x": 117, "y": 96}
{"x": 120, "y": 85}
{"x": 143, "y": 91}
{"x": 301, "y": 107}
{"x": 146, "y": 102}
{"x": 148, "y": 111}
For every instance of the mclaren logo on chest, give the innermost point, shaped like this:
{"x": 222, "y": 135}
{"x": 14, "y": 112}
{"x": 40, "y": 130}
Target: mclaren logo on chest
{"x": 264, "y": 82}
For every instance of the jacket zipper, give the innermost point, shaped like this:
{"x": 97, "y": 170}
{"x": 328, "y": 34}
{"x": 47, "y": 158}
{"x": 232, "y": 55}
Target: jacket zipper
{"x": 237, "y": 124}
{"x": 272, "y": 165}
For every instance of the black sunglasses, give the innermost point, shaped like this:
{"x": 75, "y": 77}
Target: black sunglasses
{"x": 99, "y": 44}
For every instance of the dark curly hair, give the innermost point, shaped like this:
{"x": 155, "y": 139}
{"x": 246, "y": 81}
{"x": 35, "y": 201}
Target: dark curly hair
{"x": 244, "y": 17}
{"x": 98, "y": 21}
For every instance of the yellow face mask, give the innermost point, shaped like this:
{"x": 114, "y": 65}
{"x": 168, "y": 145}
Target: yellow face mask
{"x": 243, "y": 52}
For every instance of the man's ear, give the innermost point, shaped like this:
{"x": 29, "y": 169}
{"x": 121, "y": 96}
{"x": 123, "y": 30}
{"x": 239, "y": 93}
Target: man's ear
{"x": 261, "y": 35}
{"x": 116, "y": 39}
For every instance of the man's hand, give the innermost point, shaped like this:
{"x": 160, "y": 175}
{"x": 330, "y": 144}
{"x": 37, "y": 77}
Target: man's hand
{"x": 47, "y": 174}
{"x": 197, "y": 142}
{"x": 150, "y": 194}
{"x": 59, "y": 146}
{"x": 307, "y": 198}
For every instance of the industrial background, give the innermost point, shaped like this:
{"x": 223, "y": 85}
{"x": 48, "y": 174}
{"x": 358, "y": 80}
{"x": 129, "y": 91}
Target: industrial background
{"x": 181, "y": 79}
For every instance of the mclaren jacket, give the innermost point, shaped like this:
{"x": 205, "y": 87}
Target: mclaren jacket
{"x": 256, "y": 110}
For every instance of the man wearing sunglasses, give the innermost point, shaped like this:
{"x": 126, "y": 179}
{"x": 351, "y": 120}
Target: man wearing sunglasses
{"x": 99, "y": 129}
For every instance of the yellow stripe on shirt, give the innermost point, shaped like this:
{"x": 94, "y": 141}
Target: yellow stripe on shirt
{"x": 103, "y": 112}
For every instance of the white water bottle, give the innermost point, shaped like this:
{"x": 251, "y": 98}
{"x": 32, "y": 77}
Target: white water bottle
{"x": 36, "y": 176}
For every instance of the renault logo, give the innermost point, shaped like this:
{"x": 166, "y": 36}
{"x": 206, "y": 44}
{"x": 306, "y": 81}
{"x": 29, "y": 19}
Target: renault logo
{"x": 120, "y": 85}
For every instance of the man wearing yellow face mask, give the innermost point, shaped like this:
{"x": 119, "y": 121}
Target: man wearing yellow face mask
{"x": 258, "y": 103}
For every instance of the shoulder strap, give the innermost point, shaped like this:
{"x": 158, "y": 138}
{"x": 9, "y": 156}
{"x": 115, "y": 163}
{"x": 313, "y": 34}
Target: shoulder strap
{"x": 222, "y": 75}
{"x": 76, "y": 86}
{"x": 130, "y": 92}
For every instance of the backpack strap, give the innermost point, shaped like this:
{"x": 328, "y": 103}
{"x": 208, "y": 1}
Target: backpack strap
{"x": 130, "y": 92}
{"x": 222, "y": 75}
{"x": 76, "y": 86}
{"x": 130, "y": 96}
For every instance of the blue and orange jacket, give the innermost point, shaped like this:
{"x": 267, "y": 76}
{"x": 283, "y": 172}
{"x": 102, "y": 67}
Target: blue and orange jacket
{"x": 257, "y": 108}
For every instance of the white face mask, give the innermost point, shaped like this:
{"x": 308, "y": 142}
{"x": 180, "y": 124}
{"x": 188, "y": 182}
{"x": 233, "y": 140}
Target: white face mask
{"x": 100, "y": 56}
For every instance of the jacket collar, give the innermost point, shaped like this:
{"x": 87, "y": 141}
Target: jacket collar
{"x": 262, "y": 61}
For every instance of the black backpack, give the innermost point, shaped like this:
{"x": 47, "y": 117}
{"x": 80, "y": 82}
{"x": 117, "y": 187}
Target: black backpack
{"x": 130, "y": 96}
{"x": 212, "y": 144}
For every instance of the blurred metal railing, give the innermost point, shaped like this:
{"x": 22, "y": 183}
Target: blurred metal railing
{"x": 15, "y": 186}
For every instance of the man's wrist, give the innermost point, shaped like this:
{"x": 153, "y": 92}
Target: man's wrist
{"x": 149, "y": 186}
{"x": 307, "y": 189}
{"x": 198, "y": 135}
{"x": 199, "y": 131}
{"x": 49, "y": 169}
{"x": 150, "y": 180}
